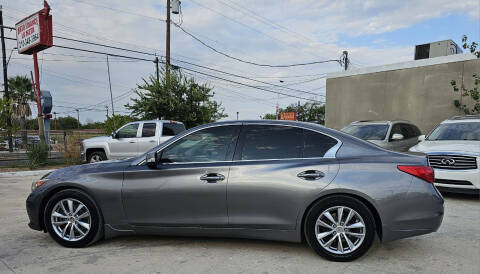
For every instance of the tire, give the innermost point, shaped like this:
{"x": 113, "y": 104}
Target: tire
{"x": 355, "y": 240}
{"x": 96, "y": 156}
{"x": 58, "y": 220}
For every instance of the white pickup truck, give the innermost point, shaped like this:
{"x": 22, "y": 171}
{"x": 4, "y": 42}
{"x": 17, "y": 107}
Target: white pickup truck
{"x": 133, "y": 139}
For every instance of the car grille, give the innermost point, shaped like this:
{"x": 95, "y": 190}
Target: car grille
{"x": 452, "y": 162}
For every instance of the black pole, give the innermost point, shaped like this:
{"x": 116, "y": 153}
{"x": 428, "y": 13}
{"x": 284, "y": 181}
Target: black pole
{"x": 110, "y": 85}
{"x": 158, "y": 73}
{"x": 5, "y": 83}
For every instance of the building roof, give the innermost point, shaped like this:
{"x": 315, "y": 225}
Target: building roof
{"x": 404, "y": 65}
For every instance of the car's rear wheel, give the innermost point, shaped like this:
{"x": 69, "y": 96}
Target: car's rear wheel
{"x": 97, "y": 156}
{"x": 72, "y": 218}
{"x": 339, "y": 228}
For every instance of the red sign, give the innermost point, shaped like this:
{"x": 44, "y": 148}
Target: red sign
{"x": 34, "y": 33}
{"x": 291, "y": 116}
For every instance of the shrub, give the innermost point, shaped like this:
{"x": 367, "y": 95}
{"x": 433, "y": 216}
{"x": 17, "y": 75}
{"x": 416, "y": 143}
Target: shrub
{"x": 37, "y": 155}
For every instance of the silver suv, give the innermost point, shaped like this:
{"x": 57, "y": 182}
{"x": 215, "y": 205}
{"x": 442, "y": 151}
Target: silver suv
{"x": 397, "y": 135}
{"x": 131, "y": 140}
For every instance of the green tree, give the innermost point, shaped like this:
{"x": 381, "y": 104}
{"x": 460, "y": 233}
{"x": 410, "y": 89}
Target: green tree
{"x": 308, "y": 112}
{"x": 115, "y": 122}
{"x": 181, "y": 99}
{"x": 21, "y": 93}
{"x": 5, "y": 112}
{"x": 473, "y": 92}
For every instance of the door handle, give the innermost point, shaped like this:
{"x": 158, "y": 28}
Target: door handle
{"x": 132, "y": 142}
{"x": 212, "y": 177}
{"x": 152, "y": 141}
{"x": 310, "y": 175}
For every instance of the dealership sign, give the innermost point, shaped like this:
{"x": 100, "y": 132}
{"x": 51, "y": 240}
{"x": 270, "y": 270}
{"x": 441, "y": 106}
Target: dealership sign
{"x": 291, "y": 116}
{"x": 34, "y": 33}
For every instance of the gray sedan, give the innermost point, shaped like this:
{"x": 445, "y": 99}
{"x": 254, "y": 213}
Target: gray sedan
{"x": 274, "y": 180}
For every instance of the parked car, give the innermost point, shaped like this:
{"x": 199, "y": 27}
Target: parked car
{"x": 131, "y": 140}
{"x": 394, "y": 135}
{"x": 453, "y": 150}
{"x": 277, "y": 180}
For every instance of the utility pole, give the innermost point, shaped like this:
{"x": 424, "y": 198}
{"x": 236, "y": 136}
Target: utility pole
{"x": 106, "y": 108}
{"x": 5, "y": 83}
{"x": 78, "y": 117}
{"x": 345, "y": 59}
{"x": 55, "y": 120}
{"x": 156, "y": 65}
{"x": 237, "y": 115}
{"x": 110, "y": 84}
{"x": 167, "y": 47}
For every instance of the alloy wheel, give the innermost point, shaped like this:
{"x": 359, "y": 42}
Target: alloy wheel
{"x": 340, "y": 230}
{"x": 71, "y": 219}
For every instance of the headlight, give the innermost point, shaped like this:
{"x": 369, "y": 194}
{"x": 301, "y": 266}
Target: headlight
{"x": 37, "y": 184}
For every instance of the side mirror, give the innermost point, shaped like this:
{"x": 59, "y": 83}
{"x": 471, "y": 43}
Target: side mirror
{"x": 114, "y": 135}
{"x": 397, "y": 137}
{"x": 151, "y": 159}
{"x": 421, "y": 138}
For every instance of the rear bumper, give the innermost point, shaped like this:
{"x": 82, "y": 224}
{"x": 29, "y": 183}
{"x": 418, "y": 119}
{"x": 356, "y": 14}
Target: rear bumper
{"x": 421, "y": 213}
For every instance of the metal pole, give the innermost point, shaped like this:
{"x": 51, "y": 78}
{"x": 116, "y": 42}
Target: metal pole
{"x": 78, "y": 117}
{"x": 106, "y": 108}
{"x": 41, "y": 130}
{"x": 167, "y": 48}
{"x": 346, "y": 61}
{"x": 5, "y": 83}
{"x": 55, "y": 121}
{"x": 237, "y": 115}
{"x": 110, "y": 84}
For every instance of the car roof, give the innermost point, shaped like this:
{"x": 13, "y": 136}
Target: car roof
{"x": 379, "y": 122}
{"x": 156, "y": 121}
{"x": 462, "y": 119}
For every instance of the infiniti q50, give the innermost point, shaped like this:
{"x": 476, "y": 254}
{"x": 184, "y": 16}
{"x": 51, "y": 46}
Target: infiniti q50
{"x": 275, "y": 180}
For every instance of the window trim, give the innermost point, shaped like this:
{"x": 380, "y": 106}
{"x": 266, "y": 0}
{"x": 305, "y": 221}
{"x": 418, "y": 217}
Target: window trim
{"x": 330, "y": 154}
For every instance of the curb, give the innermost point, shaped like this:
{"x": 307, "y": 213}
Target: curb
{"x": 25, "y": 173}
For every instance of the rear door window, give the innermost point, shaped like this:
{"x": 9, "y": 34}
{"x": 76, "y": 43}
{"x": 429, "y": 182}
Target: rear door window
{"x": 261, "y": 142}
{"x": 172, "y": 129}
{"x": 148, "y": 129}
{"x": 316, "y": 144}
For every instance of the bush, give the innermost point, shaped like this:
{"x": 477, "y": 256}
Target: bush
{"x": 37, "y": 155}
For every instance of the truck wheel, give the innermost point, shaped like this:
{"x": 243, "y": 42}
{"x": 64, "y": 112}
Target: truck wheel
{"x": 97, "y": 156}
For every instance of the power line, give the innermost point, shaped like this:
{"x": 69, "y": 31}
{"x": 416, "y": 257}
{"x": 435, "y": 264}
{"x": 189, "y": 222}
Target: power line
{"x": 250, "y": 62}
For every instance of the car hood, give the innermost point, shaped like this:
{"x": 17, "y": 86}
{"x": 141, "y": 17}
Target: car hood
{"x": 98, "y": 139}
{"x": 470, "y": 147}
{"x": 104, "y": 166}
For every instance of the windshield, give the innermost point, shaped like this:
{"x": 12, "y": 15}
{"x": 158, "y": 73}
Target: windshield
{"x": 367, "y": 132}
{"x": 456, "y": 131}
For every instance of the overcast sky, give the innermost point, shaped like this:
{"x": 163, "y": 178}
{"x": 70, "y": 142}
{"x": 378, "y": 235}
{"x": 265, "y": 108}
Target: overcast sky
{"x": 271, "y": 32}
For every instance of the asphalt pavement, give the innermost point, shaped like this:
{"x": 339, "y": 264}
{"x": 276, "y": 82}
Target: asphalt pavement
{"x": 455, "y": 248}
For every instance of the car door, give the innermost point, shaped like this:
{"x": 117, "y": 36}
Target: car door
{"x": 188, "y": 187}
{"x": 125, "y": 143}
{"x": 149, "y": 137}
{"x": 274, "y": 169}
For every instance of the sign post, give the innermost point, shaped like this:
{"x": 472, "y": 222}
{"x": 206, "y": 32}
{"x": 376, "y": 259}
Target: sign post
{"x": 34, "y": 34}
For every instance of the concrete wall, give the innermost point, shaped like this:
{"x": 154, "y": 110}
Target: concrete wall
{"x": 420, "y": 94}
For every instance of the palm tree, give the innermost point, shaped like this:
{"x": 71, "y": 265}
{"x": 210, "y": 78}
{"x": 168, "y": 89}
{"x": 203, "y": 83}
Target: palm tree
{"x": 21, "y": 94}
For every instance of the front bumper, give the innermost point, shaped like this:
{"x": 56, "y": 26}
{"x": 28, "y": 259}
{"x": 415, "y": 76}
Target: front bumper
{"x": 464, "y": 181}
{"x": 34, "y": 205}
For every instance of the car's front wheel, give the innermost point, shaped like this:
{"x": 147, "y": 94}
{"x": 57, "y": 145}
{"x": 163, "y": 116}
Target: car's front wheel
{"x": 339, "y": 228}
{"x": 72, "y": 218}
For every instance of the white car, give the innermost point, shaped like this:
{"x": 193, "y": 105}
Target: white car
{"x": 453, "y": 150}
{"x": 131, "y": 140}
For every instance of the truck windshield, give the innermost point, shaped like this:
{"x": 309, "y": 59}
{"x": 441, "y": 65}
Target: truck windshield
{"x": 367, "y": 132}
{"x": 456, "y": 131}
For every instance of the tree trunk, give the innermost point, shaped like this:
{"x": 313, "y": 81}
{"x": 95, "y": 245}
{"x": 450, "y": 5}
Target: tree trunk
{"x": 23, "y": 126}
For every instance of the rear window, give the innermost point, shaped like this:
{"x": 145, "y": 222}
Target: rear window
{"x": 271, "y": 142}
{"x": 367, "y": 132}
{"x": 172, "y": 129}
{"x": 316, "y": 144}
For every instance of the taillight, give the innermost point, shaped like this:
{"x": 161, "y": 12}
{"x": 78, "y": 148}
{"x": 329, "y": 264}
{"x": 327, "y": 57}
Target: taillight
{"x": 423, "y": 172}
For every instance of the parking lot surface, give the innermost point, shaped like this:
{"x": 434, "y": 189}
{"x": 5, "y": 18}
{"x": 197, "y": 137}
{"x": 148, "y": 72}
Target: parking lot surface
{"x": 455, "y": 248}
